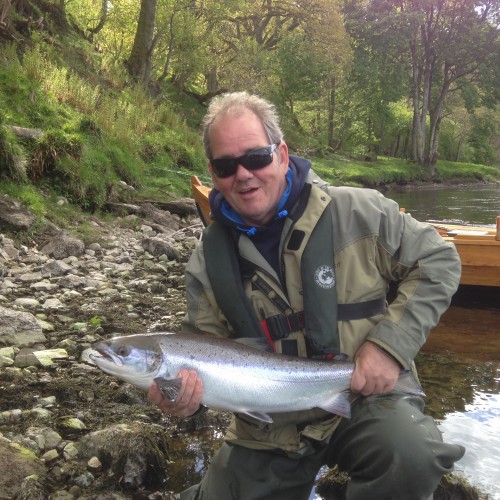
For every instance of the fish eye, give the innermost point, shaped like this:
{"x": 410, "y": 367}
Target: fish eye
{"x": 123, "y": 350}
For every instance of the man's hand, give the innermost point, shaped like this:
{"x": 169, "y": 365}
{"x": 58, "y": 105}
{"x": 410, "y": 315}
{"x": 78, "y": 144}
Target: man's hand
{"x": 188, "y": 400}
{"x": 376, "y": 371}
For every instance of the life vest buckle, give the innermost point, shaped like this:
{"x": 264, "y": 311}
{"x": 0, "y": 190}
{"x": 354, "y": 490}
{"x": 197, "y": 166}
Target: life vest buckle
{"x": 280, "y": 326}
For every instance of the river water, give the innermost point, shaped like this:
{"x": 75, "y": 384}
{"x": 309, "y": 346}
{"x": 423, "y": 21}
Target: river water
{"x": 460, "y": 364}
{"x": 460, "y": 205}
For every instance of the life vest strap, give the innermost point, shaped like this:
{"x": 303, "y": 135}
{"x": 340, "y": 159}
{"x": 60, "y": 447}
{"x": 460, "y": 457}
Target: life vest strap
{"x": 280, "y": 326}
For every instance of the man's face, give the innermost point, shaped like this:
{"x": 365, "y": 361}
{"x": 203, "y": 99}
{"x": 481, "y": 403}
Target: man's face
{"x": 254, "y": 194}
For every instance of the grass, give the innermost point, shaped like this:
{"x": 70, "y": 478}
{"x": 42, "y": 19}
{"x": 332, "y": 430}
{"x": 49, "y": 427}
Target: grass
{"x": 447, "y": 171}
{"x": 385, "y": 171}
{"x": 94, "y": 136}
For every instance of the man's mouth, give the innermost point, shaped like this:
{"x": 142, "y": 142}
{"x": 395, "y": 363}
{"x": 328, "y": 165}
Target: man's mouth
{"x": 248, "y": 190}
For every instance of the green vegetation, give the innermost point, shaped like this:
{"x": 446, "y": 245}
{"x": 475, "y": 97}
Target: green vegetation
{"x": 90, "y": 137}
{"x": 77, "y": 126}
{"x": 386, "y": 171}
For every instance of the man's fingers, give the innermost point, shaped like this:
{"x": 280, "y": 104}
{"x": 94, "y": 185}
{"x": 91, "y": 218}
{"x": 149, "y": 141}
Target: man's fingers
{"x": 154, "y": 394}
{"x": 358, "y": 382}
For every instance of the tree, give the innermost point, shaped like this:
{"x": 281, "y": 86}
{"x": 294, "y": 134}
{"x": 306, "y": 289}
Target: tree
{"x": 289, "y": 51}
{"x": 141, "y": 55}
{"x": 102, "y": 19}
{"x": 447, "y": 44}
{"x": 453, "y": 41}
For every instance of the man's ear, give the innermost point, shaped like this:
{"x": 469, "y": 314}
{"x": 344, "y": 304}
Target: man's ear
{"x": 283, "y": 153}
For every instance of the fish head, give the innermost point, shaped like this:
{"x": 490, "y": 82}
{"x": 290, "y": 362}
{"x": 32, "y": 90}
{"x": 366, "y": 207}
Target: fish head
{"x": 134, "y": 359}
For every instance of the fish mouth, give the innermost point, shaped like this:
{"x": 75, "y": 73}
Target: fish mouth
{"x": 105, "y": 355}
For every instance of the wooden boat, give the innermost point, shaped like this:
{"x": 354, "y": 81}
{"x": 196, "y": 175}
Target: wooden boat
{"x": 479, "y": 247}
{"x": 479, "y": 250}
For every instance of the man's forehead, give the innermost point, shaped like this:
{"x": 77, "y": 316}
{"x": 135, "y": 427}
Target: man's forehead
{"x": 249, "y": 125}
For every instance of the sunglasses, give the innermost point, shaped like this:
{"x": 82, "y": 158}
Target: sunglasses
{"x": 253, "y": 160}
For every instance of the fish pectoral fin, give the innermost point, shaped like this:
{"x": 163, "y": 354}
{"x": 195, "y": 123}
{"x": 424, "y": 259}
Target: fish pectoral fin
{"x": 263, "y": 417}
{"x": 339, "y": 404}
{"x": 169, "y": 387}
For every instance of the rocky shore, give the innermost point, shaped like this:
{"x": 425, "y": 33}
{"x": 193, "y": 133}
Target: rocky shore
{"x": 66, "y": 429}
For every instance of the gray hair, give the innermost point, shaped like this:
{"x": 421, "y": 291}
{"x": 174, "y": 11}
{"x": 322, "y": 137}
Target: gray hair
{"x": 235, "y": 103}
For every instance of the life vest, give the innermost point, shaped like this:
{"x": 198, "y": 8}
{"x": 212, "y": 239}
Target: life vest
{"x": 321, "y": 313}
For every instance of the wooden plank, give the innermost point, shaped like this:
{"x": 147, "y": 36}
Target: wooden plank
{"x": 200, "y": 195}
{"x": 480, "y": 275}
{"x": 479, "y": 255}
{"x": 479, "y": 238}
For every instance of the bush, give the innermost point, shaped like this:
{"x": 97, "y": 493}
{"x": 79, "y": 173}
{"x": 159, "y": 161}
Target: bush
{"x": 50, "y": 148}
{"x": 12, "y": 157}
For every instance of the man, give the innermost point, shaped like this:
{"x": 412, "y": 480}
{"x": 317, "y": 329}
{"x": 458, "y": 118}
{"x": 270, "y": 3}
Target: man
{"x": 306, "y": 266}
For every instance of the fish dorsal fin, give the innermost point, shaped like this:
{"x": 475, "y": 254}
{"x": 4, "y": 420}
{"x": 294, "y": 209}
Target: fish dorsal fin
{"x": 339, "y": 404}
{"x": 255, "y": 342}
{"x": 169, "y": 387}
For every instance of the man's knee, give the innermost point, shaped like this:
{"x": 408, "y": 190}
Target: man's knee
{"x": 390, "y": 446}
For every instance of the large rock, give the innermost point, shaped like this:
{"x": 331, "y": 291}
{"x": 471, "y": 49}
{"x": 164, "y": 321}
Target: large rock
{"x": 13, "y": 215}
{"x": 16, "y": 463}
{"x": 136, "y": 453}
{"x": 8, "y": 250}
{"x": 160, "y": 217}
{"x": 158, "y": 246}
{"x": 18, "y": 328}
{"x": 64, "y": 245}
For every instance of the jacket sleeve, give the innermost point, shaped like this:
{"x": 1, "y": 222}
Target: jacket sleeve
{"x": 203, "y": 314}
{"x": 427, "y": 270}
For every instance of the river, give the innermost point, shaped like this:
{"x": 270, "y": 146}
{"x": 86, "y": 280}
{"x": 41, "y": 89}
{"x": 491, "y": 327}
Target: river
{"x": 460, "y": 363}
{"x": 461, "y": 205}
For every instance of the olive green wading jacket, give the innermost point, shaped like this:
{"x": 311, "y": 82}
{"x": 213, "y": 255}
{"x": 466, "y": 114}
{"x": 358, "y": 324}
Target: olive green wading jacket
{"x": 373, "y": 244}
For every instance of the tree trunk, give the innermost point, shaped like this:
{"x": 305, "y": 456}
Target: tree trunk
{"x": 436, "y": 116}
{"x": 331, "y": 113}
{"x": 102, "y": 20}
{"x": 459, "y": 147}
{"x": 139, "y": 62}
{"x": 417, "y": 139}
{"x": 4, "y": 10}
{"x": 166, "y": 67}
{"x": 211, "y": 77}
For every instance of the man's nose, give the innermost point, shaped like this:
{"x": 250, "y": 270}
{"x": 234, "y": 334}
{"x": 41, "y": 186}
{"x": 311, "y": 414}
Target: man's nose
{"x": 242, "y": 172}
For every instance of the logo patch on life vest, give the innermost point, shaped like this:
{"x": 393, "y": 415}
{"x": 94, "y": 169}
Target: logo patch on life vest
{"x": 324, "y": 276}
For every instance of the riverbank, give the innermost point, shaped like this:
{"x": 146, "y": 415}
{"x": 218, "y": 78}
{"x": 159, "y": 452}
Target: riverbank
{"x": 385, "y": 172}
{"x": 419, "y": 186}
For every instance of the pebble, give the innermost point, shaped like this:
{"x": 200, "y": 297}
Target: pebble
{"x": 70, "y": 451}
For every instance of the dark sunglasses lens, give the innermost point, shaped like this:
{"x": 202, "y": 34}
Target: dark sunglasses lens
{"x": 259, "y": 158}
{"x": 224, "y": 167}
